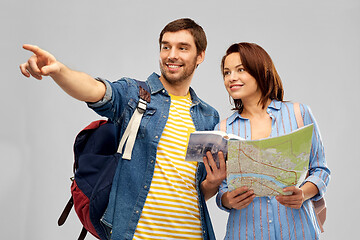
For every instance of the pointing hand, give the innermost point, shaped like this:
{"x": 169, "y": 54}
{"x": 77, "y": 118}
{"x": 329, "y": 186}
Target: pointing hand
{"x": 41, "y": 63}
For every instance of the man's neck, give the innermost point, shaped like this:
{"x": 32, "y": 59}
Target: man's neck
{"x": 176, "y": 89}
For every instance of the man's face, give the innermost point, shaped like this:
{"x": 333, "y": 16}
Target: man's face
{"x": 178, "y": 57}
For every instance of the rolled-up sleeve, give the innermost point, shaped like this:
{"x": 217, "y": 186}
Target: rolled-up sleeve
{"x": 319, "y": 173}
{"x": 116, "y": 96}
{"x": 223, "y": 188}
{"x": 107, "y": 96}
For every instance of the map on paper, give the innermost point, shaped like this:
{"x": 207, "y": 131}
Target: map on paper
{"x": 268, "y": 165}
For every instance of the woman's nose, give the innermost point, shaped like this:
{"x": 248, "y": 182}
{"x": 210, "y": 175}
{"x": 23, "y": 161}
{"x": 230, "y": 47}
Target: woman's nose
{"x": 233, "y": 76}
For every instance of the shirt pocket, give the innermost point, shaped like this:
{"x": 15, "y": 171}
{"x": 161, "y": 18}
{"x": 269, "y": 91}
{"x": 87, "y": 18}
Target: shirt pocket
{"x": 145, "y": 120}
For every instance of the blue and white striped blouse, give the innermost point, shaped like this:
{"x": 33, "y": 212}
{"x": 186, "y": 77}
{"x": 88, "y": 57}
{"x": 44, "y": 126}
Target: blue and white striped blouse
{"x": 265, "y": 218}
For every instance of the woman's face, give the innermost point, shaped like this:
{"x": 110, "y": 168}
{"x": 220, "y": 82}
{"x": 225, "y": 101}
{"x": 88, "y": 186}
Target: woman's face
{"x": 238, "y": 82}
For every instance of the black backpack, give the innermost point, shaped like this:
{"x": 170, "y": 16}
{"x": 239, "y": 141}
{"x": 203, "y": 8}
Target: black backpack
{"x": 96, "y": 155}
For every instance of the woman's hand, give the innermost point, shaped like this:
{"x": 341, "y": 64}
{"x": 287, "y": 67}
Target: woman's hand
{"x": 239, "y": 198}
{"x": 295, "y": 200}
{"x": 215, "y": 175}
{"x": 299, "y": 195}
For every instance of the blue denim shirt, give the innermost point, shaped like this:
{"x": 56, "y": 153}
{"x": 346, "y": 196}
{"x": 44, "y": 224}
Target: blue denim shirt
{"x": 132, "y": 179}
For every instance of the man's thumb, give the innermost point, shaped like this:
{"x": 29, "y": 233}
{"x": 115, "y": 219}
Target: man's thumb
{"x": 47, "y": 70}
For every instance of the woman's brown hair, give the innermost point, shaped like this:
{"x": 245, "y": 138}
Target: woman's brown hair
{"x": 258, "y": 64}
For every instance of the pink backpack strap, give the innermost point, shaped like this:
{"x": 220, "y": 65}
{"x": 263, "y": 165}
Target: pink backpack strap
{"x": 299, "y": 119}
{"x": 223, "y": 125}
{"x": 320, "y": 205}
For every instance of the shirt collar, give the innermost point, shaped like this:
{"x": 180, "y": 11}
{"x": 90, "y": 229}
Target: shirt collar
{"x": 275, "y": 104}
{"x": 155, "y": 83}
{"x": 156, "y": 86}
{"x": 233, "y": 117}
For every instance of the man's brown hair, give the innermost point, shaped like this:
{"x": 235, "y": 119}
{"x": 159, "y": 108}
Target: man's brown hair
{"x": 187, "y": 24}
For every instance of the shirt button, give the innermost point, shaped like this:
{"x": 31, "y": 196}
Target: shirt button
{"x": 270, "y": 221}
{"x": 145, "y": 187}
{"x": 137, "y": 211}
{"x": 156, "y": 136}
{"x": 163, "y": 91}
{"x": 152, "y": 161}
{"x": 164, "y": 116}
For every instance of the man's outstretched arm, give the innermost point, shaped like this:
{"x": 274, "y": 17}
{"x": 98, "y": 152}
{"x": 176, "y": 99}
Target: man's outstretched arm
{"x": 77, "y": 84}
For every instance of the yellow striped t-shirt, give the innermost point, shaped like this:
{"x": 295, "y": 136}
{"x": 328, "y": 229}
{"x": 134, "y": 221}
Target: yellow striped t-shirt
{"x": 171, "y": 209}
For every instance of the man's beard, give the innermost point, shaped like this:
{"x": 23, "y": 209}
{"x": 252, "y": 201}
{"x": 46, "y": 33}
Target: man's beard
{"x": 187, "y": 71}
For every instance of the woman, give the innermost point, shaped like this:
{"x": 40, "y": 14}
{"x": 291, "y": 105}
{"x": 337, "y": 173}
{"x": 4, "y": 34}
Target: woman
{"x": 254, "y": 85}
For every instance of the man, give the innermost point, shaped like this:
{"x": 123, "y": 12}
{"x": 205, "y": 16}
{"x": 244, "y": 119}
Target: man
{"x": 156, "y": 194}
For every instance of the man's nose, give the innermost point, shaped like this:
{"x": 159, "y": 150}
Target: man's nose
{"x": 173, "y": 54}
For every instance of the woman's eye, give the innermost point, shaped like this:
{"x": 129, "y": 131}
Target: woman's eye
{"x": 241, "y": 70}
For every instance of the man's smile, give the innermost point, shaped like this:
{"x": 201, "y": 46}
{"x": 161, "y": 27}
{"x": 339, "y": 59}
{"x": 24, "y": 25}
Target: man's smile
{"x": 173, "y": 66}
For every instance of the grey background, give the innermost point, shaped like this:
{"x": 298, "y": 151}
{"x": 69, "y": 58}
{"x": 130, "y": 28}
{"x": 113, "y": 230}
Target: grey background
{"x": 314, "y": 44}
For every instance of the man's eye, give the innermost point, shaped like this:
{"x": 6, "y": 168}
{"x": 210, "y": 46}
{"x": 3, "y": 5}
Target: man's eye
{"x": 165, "y": 47}
{"x": 183, "y": 48}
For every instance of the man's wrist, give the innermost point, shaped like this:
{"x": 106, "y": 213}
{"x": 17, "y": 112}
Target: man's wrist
{"x": 209, "y": 186}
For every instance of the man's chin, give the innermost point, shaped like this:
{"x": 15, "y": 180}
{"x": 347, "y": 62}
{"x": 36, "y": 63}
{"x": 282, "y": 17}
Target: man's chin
{"x": 177, "y": 77}
{"x": 172, "y": 77}
{"x": 173, "y": 80}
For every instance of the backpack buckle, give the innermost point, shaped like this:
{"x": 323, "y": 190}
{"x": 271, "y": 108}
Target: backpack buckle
{"x": 141, "y": 107}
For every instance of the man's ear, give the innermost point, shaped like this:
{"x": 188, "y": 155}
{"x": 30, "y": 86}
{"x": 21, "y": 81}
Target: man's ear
{"x": 200, "y": 57}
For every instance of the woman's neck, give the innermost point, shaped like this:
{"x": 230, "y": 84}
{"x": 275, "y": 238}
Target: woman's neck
{"x": 254, "y": 108}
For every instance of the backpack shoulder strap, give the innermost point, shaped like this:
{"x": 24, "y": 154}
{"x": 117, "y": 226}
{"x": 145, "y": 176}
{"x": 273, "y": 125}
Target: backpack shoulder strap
{"x": 298, "y": 117}
{"x": 143, "y": 84}
{"x": 320, "y": 205}
{"x": 129, "y": 136}
{"x": 144, "y": 90}
{"x": 223, "y": 125}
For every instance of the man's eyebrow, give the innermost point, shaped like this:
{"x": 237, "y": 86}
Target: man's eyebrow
{"x": 179, "y": 43}
{"x": 185, "y": 43}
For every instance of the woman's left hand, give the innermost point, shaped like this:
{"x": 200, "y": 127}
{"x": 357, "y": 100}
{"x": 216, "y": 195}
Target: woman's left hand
{"x": 295, "y": 200}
